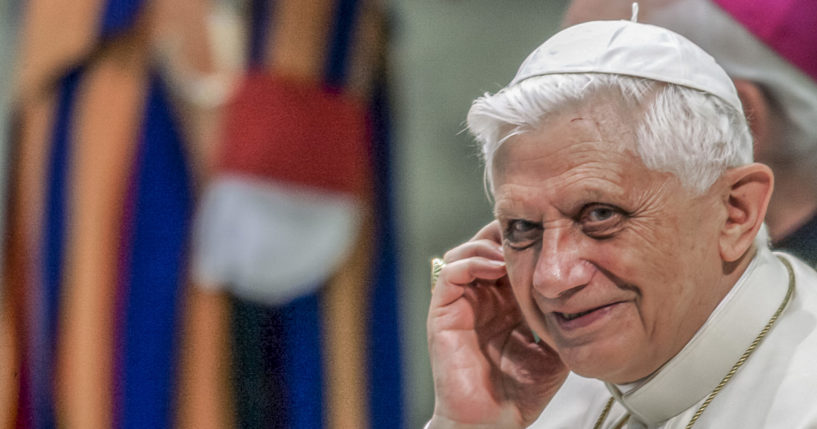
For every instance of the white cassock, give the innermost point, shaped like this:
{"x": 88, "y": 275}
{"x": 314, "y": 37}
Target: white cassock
{"x": 775, "y": 388}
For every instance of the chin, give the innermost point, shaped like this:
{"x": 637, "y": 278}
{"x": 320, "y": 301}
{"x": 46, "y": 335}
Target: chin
{"x": 615, "y": 364}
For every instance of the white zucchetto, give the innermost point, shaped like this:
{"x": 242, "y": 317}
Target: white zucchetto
{"x": 632, "y": 49}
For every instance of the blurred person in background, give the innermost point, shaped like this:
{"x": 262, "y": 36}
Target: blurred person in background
{"x": 101, "y": 194}
{"x": 137, "y": 293}
{"x": 295, "y": 224}
{"x": 769, "y": 48}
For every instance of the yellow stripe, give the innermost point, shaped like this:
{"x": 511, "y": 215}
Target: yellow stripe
{"x": 57, "y": 33}
{"x": 368, "y": 49}
{"x": 298, "y": 43}
{"x": 344, "y": 311}
{"x": 205, "y": 390}
{"x": 107, "y": 123}
{"x": 185, "y": 23}
{"x": 37, "y": 125}
{"x": 26, "y": 211}
{"x": 9, "y": 362}
{"x": 26, "y": 214}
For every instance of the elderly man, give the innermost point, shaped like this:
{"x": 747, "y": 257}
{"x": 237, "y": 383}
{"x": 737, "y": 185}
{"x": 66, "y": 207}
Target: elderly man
{"x": 767, "y": 47}
{"x": 627, "y": 279}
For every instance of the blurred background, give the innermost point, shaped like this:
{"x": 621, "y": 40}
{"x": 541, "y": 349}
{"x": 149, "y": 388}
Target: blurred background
{"x": 220, "y": 213}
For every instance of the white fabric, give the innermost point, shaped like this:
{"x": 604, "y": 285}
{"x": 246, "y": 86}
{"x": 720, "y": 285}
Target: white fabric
{"x": 633, "y": 49}
{"x": 271, "y": 242}
{"x": 775, "y": 388}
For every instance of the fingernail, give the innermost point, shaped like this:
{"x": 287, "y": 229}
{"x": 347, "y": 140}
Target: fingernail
{"x": 536, "y": 338}
{"x": 497, "y": 263}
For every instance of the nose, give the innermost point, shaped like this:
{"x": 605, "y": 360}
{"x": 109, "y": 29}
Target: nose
{"x": 560, "y": 269}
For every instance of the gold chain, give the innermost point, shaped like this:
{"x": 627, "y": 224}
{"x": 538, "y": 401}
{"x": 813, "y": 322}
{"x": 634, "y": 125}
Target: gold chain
{"x": 735, "y": 367}
{"x": 604, "y": 413}
{"x": 622, "y": 421}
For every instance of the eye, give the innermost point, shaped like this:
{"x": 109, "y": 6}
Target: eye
{"x": 601, "y": 220}
{"x": 600, "y": 214}
{"x": 521, "y": 234}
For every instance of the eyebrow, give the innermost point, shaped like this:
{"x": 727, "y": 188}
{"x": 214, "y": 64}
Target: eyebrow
{"x": 516, "y": 209}
{"x": 505, "y": 210}
{"x": 500, "y": 210}
{"x": 498, "y": 213}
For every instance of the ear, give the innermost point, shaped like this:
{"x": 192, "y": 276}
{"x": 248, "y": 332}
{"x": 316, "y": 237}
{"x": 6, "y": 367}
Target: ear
{"x": 749, "y": 189}
{"x": 756, "y": 109}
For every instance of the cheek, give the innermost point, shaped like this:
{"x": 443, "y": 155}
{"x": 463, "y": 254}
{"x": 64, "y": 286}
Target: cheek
{"x": 520, "y": 265}
{"x": 646, "y": 254}
{"x": 649, "y": 268}
{"x": 656, "y": 238}
{"x": 520, "y": 274}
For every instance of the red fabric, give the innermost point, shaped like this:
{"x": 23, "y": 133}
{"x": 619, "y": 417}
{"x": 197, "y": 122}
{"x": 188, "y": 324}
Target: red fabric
{"x": 296, "y": 132}
{"x": 789, "y": 27}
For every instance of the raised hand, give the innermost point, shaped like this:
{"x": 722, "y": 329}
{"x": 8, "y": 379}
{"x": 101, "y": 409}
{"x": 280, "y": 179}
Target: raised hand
{"x": 488, "y": 370}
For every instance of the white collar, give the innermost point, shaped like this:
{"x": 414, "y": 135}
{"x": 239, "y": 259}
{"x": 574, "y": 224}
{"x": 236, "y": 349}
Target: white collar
{"x": 695, "y": 371}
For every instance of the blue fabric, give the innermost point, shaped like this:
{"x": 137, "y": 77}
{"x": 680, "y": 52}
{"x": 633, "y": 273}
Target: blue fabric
{"x": 118, "y": 16}
{"x": 162, "y": 209}
{"x": 802, "y": 242}
{"x": 384, "y": 348}
{"x": 337, "y": 59}
{"x": 259, "y": 27}
{"x": 56, "y": 218}
{"x": 279, "y": 364}
{"x": 304, "y": 362}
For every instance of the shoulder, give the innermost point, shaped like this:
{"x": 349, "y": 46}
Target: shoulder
{"x": 778, "y": 384}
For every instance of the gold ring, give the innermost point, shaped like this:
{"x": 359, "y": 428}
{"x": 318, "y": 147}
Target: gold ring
{"x": 437, "y": 265}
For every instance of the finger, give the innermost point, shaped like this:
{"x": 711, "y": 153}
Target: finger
{"x": 498, "y": 313}
{"x": 484, "y": 248}
{"x": 457, "y": 275}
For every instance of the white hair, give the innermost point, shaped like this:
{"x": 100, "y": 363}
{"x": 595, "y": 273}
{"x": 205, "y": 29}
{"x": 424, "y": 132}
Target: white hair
{"x": 694, "y": 135}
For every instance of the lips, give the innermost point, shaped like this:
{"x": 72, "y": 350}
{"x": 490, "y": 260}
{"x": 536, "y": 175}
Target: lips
{"x": 571, "y": 316}
{"x": 583, "y": 318}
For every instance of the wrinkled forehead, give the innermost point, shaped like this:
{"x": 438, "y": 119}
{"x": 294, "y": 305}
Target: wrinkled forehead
{"x": 597, "y": 133}
{"x": 602, "y": 118}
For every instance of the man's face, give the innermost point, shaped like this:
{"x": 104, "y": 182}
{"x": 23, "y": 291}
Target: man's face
{"x": 614, "y": 265}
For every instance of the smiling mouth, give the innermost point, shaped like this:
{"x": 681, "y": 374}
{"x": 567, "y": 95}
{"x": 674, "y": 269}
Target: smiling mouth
{"x": 571, "y": 316}
{"x": 567, "y": 317}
